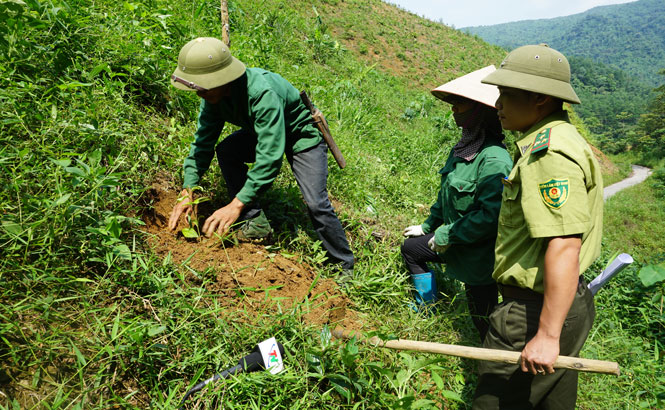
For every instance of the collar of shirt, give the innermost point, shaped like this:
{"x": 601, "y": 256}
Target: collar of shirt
{"x": 525, "y": 143}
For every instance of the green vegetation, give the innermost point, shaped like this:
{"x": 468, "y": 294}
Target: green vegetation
{"x": 627, "y": 36}
{"x": 91, "y": 318}
{"x": 622, "y": 167}
{"x": 615, "y": 53}
{"x": 652, "y": 127}
{"x": 633, "y": 223}
{"x": 611, "y": 103}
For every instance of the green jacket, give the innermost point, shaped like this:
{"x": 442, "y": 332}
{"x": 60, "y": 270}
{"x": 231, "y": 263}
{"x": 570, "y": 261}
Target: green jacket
{"x": 267, "y": 105}
{"x": 466, "y": 212}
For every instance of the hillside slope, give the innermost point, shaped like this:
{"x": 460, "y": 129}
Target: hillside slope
{"x": 408, "y": 46}
{"x": 626, "y": 36}
{"x": 102, "y": 308}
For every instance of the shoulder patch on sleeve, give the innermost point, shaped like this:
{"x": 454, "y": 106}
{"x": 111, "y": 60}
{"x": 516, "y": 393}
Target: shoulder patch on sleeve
{"x": 554, "y": 192}
{"x": 542, "y": 141}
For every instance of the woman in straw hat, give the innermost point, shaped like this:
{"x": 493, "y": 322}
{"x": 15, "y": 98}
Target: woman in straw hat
{"x": 461, "y": 228}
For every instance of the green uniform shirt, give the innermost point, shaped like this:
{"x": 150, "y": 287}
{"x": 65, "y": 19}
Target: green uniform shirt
{"x": 265, "y": 104}
{"x": 555, "y": 189}
{"x": 465, "y": 213}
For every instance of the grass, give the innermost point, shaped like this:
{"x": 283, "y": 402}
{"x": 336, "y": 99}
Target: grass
{"x": 629, "y": 321}
{"x": 92, "y": 319}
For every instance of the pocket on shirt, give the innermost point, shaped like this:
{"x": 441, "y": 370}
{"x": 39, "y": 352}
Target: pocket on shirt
{"x": 511, "y": 211}
{"x": 464, "y": 192}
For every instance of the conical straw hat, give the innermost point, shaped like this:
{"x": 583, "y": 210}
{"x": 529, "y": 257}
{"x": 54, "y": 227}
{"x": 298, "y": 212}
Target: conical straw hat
{"x": 469, "y": 86}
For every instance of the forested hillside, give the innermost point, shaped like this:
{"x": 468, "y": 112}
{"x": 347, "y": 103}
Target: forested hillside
{"x": 102, "y": 307}
{"x": 627, "y": 36}
{"x": 612, "y": 102}
{"x": 616, "y": 53}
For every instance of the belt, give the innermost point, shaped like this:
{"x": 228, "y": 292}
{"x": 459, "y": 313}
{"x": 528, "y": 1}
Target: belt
{"x": 517, "y": 293}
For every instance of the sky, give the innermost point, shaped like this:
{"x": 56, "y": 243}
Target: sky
{"x": 465, "y": 13}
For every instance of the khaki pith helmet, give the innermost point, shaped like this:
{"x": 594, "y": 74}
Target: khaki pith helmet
{"x": 538, "y": 69}
{"x": 469, "y": 86}
{"x": 208, "y": 63}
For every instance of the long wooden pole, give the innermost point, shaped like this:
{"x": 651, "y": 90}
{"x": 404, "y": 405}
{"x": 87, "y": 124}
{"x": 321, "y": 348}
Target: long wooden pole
{"x": 479, "y": 353}
{"x": 226, "y": 30}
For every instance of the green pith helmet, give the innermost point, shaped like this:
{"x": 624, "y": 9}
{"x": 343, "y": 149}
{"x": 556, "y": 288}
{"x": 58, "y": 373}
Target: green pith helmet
{"x": 206, "y": 62}
{"x": 539, "y": 69}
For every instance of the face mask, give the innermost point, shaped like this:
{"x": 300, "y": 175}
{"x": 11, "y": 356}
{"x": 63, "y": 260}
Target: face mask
{"x": 470, "y": 118}
{"x": 462, "y": 118}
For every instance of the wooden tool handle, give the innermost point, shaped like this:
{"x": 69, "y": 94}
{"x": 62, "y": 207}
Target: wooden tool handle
{"x": 322, "y": 125}
{"x": 308, "y": 103}
{"x": 479, "y": 353}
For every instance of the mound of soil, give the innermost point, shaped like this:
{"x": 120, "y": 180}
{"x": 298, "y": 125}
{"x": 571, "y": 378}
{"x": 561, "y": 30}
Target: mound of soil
{"x": 249, "y": 277}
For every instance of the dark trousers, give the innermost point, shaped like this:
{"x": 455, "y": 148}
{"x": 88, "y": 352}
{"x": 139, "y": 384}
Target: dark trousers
{"x": 310, "y": 168}
{"x": 513, "y": 324}
{"x": 481, "y": 299}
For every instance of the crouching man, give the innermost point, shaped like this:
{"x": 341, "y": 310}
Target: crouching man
{"x": 273, "y": 122}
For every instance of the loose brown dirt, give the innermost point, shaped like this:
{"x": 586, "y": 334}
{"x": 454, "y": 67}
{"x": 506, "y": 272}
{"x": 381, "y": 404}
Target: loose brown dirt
{"x": 249, "y": 277}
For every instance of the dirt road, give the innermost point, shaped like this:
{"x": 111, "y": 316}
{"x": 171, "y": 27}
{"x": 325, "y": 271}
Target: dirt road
{"x": 638, "y": 175}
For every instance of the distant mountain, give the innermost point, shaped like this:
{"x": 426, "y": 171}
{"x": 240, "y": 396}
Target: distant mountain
{"x": 612, "y": 102}
{"x": 630, "y": 36}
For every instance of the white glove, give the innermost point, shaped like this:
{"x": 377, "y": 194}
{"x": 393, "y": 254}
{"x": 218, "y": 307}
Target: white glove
{"x": 436, "y": 248}
{"x": 414, "y": 230}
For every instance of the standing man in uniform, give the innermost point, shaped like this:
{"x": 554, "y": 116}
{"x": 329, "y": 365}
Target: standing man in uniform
{"x": 273, "y": 122}
{"x": 550, "y": 228}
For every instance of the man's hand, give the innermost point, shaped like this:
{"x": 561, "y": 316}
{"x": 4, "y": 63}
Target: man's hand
{"x": 222, "y": 219}
{"x": 184, "y": 205}
{"x": 414, "y": 230}
{"x": 539, "y": 355}
{"x": 436, "y": 248}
